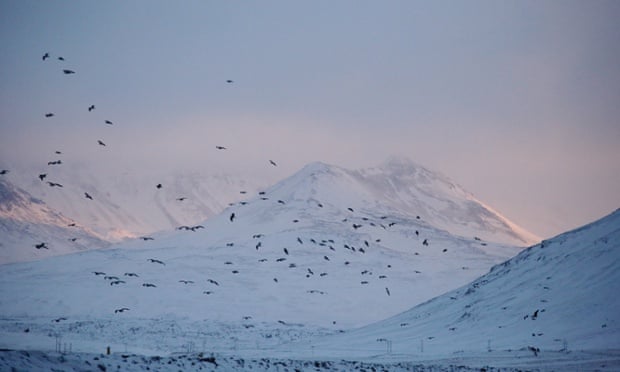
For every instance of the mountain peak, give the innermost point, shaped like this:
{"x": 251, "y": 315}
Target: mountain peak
{"x": 401, "y": 187}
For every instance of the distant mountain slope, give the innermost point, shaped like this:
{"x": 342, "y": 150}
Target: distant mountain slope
{"x": 130, "y": 205}
{"x": 26, "y": 222}
{"x": 560, "y": 294}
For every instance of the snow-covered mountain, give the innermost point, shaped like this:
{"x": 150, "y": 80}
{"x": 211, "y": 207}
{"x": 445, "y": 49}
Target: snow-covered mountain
{"x": 400, "y": 187}
{"x": 29, "y": 229}
{"x": 130, "y": 205}
{"x": 561, "y": 294}
{"x": 315, "y": 250}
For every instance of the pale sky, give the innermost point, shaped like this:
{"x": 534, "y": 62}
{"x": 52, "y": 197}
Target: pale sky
{"x": 517, "y": 101}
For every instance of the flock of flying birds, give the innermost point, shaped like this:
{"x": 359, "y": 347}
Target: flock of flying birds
{"x": 115, "y": 280}
{"x": 43, "y": 177}
{"x": 327, "y": 246}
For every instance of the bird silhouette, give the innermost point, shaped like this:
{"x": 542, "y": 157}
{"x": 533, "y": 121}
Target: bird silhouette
{"x": 68, "y": 72}
{"x": 49, "y": 114}
{"x": 123, "y": 309}
{"x": 181, "y": 198}
{"x": 220, "y": 147}
{"x": 159, "y": 186}
{"x": 61, "y": 58}
{"x": 156, "y": 261}
{"x": 87, "y": 195}
{"x": 145, "y": 238}
{"x": 4, "y": 171}
{"x": 91, "y": 108}
{"x": 232, "y": 217}
{"x": 54, "y": 184}
{"x": 55, "y": 162}
{"x": 57, "y": 152}
{"x": 46, "y": 56}
{"x": 41, "y": 245}
{"x": 273, "y": 163}
{"x": 109, "y": 122}
{"x": 229, "y": 81}
{"x": 100, "y": 142}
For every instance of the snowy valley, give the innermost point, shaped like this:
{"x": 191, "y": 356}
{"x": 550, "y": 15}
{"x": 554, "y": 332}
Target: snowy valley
{"x": 293, "y": 270}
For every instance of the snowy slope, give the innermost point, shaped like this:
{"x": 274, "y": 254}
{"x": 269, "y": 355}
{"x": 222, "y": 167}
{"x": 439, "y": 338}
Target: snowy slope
{"x": 130, "y": 204}
{"x": 26, "y": 222}
{"x": 402, "y": 186}
{"x": 309, "y": 252}
{"x": 560, "y": 294}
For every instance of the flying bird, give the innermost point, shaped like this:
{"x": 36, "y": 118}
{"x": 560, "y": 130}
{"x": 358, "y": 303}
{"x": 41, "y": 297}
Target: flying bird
{"x": 273, "y": 163}
{"x": 54, "y": 184}
{"x": 91, "y": 108}
{"x": 100, "y": 142}
{"x": 145, "y": 238}
{"x": 57, "y": 152}
{"x": 220, "y": 147}
{"x": 213, "y": 282}
{"x": 181, "y": 198}
{"x": 232, "y": 217}
{"x": 68, "y": 72}
{"x": 56, "y": 162}
{"x": 123, "y": 309}
{"x": 109, "y": 122}
{"x": 229, "y": 81}
{"x": 159, "y": 186}
{"x": 186, "y": 281}
{"x": 61, "y": 58}
{"x": 41, "y": 245}
{"x": 387, "y": 291}
{"x": 49, "y": 114}
{"x": 98, "y": 273}
{"x": 156, "y": 261}
{"x": 87, "y": 195}
{"x": 46, "y": 56}
{"x": 4, "y": 171}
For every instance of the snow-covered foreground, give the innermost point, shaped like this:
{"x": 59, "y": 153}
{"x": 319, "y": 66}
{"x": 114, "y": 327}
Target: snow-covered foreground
{"x": 558, "y": 296}
{"x": 207, "y": 361}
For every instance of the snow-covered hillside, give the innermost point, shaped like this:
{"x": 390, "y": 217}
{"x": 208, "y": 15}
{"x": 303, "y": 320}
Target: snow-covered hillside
{"x": 29, "y": 229}
{"x": 131, "y": 204}
{"x": 561, "y": 294}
